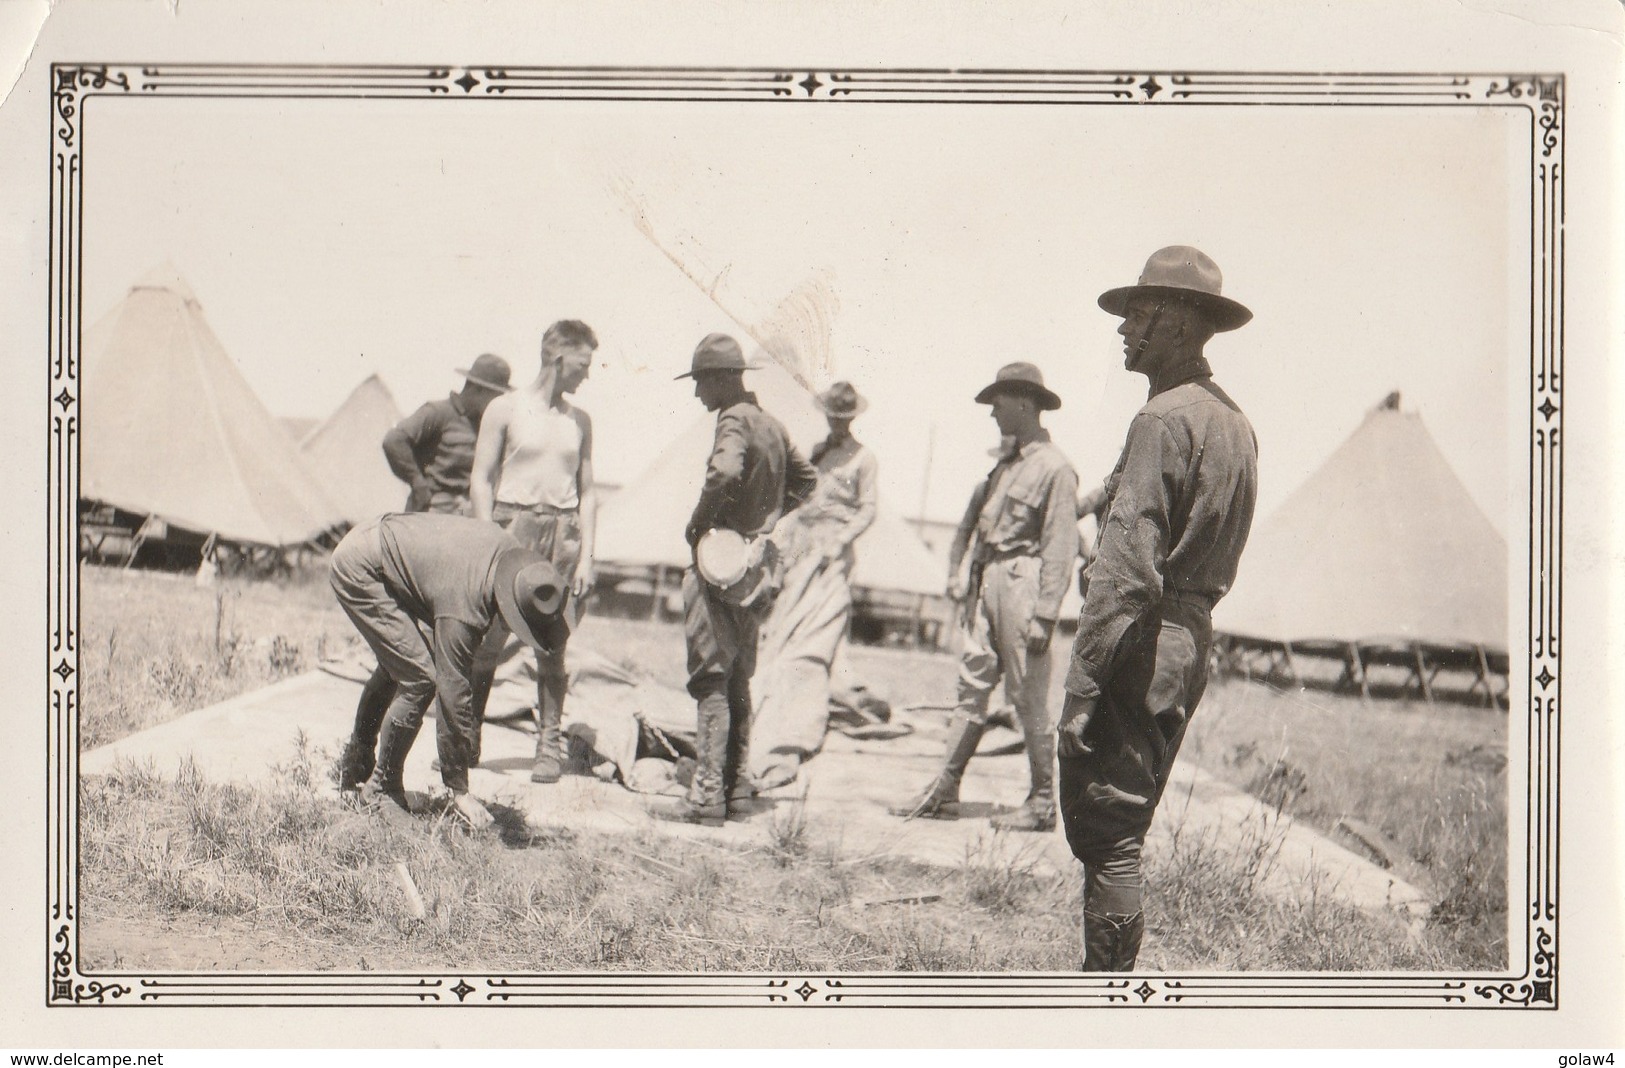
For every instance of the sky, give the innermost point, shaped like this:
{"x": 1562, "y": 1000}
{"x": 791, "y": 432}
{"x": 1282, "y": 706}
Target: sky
{"x": 1379, "y": 249}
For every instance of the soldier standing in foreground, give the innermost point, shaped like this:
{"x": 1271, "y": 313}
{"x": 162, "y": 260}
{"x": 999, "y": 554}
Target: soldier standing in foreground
{"x": 1180, "y": 504}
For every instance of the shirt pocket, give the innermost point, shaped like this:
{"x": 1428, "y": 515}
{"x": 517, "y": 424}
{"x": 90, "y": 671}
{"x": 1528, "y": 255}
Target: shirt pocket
{"x": 1022, "y": 514}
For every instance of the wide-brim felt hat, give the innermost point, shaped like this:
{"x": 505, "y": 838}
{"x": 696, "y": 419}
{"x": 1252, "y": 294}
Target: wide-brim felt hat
{"x": 1183, "y": 273}
{"x": 530, "y": 596}
{"x": 489, "y": 371}
{"x": 842, "y": 401}
{"x": 1021, "y": 377}
{"x": 716, "y": 352}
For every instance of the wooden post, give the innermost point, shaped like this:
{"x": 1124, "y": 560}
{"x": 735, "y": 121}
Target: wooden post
{"x": 1422, "y": 672}
{"x": 659, "y": 595}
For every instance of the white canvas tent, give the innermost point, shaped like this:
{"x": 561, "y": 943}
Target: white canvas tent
{"x": 346, "y": 452}
{"x": 1381, "y": 555}
{"x": 173, "y": 431}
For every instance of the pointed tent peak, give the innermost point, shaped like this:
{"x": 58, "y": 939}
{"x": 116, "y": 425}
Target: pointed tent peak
{"x": 1389, "y": 403}
{"x": 1381, "y": 541}
{"x": 370, "y": 402}
{"x": 166, "y": 277}
{"x": 345, "y": 454}
{"x": 188, "y": 440}
{"x": 371, "y": 387}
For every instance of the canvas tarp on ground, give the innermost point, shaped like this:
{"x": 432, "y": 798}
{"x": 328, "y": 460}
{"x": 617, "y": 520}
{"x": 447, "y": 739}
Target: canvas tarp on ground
{"x": 1382, "y": 543}
{"x": 346, "y": 453}
{"x": 173, "y": 430}
{"x": 643, "y": 524}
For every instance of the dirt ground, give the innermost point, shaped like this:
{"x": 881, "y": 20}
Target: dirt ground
{"x": 1246, "y": 737}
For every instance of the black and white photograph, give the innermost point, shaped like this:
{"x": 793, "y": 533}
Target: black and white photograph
{"x": 773, "y": 524}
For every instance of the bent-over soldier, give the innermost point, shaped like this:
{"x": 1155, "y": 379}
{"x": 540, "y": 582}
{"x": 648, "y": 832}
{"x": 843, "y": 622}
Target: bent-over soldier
{"x": 423, "y": 590}
{"x": 1021, "y": 554}
{"x": 754, "y": 476}
{"x": 1180, "y": 504}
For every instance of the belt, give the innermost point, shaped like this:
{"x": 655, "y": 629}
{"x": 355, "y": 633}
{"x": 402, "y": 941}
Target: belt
{"x": 537, "y": 509}
{"x": 990, "y": 556}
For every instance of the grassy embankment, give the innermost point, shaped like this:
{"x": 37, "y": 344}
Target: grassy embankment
{"x": 285, "y": 863}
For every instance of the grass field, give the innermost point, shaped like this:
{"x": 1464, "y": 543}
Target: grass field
{"x": 156, "y": 645}
{"x": 292, "y": 880}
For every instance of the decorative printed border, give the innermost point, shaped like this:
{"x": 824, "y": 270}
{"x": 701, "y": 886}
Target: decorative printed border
{"x": 1531, "y": 982}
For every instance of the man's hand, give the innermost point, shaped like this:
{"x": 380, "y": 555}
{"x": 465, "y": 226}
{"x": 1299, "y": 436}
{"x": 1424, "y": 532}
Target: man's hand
{"x": 422, "y": 493}
{"x": 1076, "y": 712}
{"x": 956, "y": 588}
{"x": 584, "y": 579}
{"x": 1039, "y": 632}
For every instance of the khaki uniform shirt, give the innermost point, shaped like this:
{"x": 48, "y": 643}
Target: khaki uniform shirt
{"x": 1031, "y": 509}
{"x": 435, "y": 444}
{"x": 754, "y": 474}
{"x": 843, "y": 505}
{"x": 1180, "y": 505}
{"x": 442, "y": 572}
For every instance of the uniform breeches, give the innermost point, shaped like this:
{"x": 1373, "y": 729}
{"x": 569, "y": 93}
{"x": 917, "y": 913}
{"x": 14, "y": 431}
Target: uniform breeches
{"x": 1108, "y": 796}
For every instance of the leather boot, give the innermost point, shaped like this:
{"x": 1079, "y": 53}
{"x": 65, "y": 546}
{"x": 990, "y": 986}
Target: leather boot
{"x": 385, "y": 791}
{"x": 710, "y": 752}
{"x": 707, "y": 801}
{"x": 736, "y": 782}
{"x": 356, "y": 763}
{"x": 684, "y": 810}
{"x": 549, "y": 762}
{"x": 1038, "y": 814}
{"x": 1111, "y": 943}
{"x": 940, "y": 799}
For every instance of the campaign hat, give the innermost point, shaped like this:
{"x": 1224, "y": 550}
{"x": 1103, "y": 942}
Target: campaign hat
{"x": 1021, "y": 377}
{"x": 716, "y": 352}
{"x": 1182, "y": 273}
{"x": 490, "y": 371}
{"x": 530, "y": 596}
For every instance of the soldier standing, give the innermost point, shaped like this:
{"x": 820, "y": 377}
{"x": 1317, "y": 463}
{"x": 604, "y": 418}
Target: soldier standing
{"x": 1180, "y": 504}
{"x": 432, "y": 449}
{"x": 1023, "y": 547}
{"x": 533, "y": 476}
{"x": 753, "y": 477}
